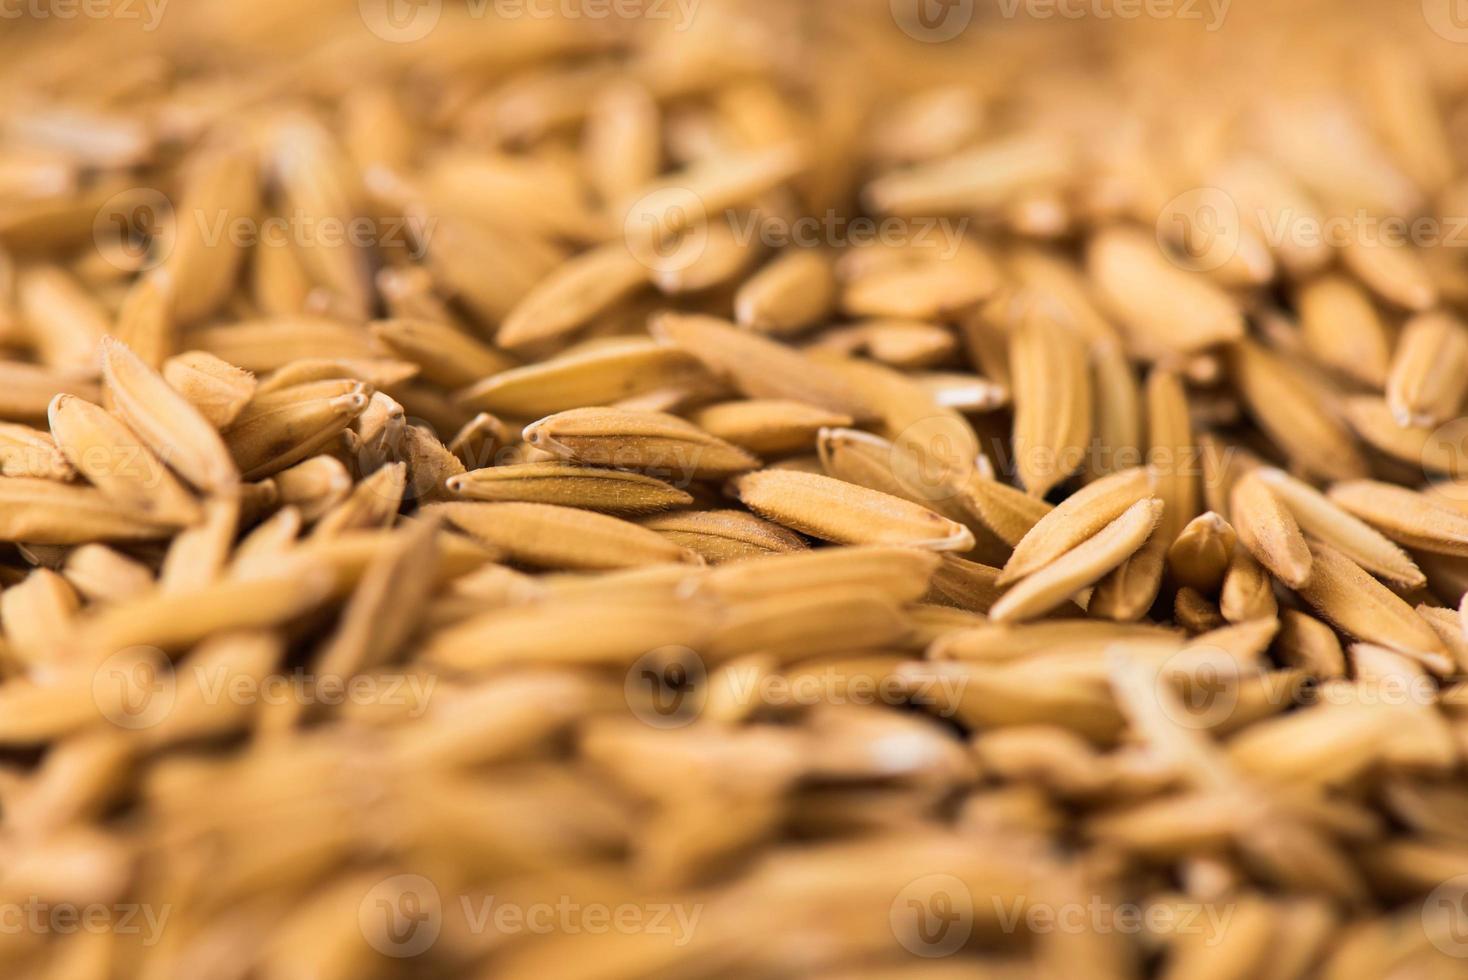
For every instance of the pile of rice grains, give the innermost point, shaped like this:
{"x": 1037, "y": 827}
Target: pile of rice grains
{"x": 733, "y": 490}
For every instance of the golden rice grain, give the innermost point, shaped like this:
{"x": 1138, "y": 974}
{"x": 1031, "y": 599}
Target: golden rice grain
{"x": 652, "y": 441}
{"x": 1405, "y": 516}
{"x": 46, "y": 512}
{"x": 1081, "y": 566}
{"x": 548, "y": 536}
{"x": 901, "y": 573}
{"x": 595, "y": 374}
{"x": 272, "y": 343}
{"x": 30, "y": 452}
{"x": 198, "y": 555}
{"x": 102, "y": 574}
{"x": 1248, "y": 591}
{"x": 1343, "y": 330}
{"x": 1163, "y": 307}
{"x": 1392, "y": 271}
{"x": 759, "y": 367}
{"x": 271, "y": 437}
{"x": 63, "y": 321}
{"x": 166, "y": 421}
{"x": 444, "y": 355}
{"x": 1200, "y": 556}
{"x": 1429, "y": 373}
{"x": 1050, "y": 377}
{"x": 1436, "y": 450}
{"x": 1078, "y": 517}
{"x": 177, "y": 620}
{"x": 1268, "y": 529}
{"x": 965, "y": 584}
{"x": 768, "y": 427}
{"x": 572, "y": 295}
{"x": 808, "y": 623}
{"x": 847, "y": 514}
{"x": 569, "y": 485}
{"x": 113, "y": 459}
{"x": 1288, "y": 409}
{"x": 218, "y": 390}
{"x": 1346, "y": 596}
{"x": 721, "y": 536}
{"x": 1323, "y": 519}
{"x": 1008, "y": 512}
{"x": 313, "y": 486}
{"x": 794, "y": 291}
{"x": 373, "y": 503}
{"x": 1128, "y": 592}
{"x": 36, "y": 613}
{"x": 26, "y": 389}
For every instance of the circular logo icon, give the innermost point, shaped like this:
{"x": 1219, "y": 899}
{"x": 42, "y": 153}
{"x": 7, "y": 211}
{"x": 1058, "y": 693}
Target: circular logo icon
{"x": 1200, "y": 229}
{"x": 1197, "y": 687}
{"x": 135, "y": 688}
{"x": 666, "y": 230}
{"x": 933, "y": 456}
{"x": 1447, "y": 18}
{"x": 933, "y": 915}
{"x": 134, "y": 230}
{"x": 401, "y": 916}
{"x": 932, "y": 21}
{"x": 667, "y": 687}
{"x": 1446, "y": 450}
{"x": 400, "y": 21}
{"x": 1445, "y": 916}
